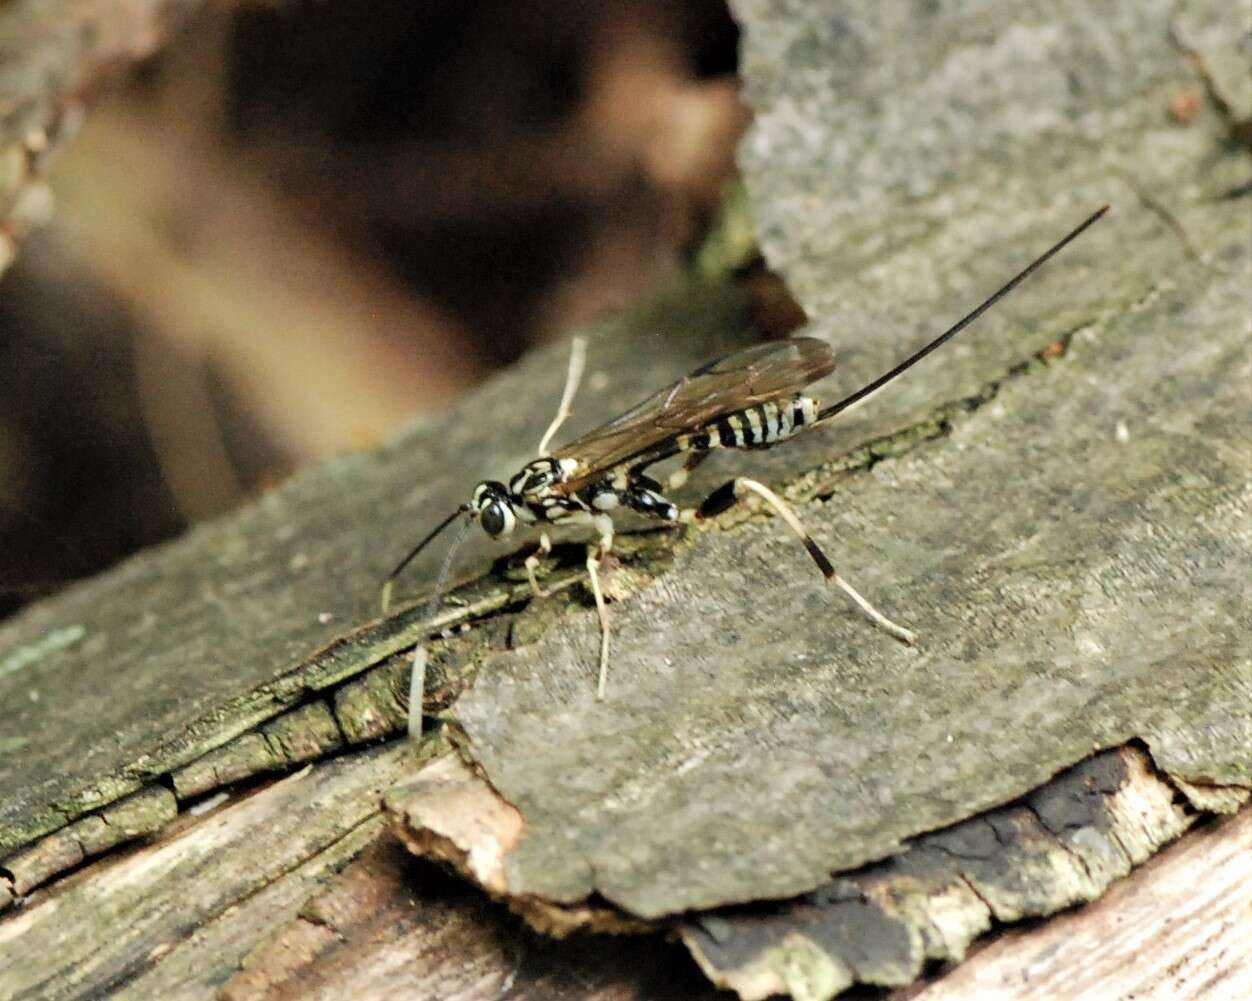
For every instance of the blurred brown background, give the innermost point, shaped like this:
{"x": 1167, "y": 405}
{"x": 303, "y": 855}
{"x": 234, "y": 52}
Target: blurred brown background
{"x": 303, "y": 223}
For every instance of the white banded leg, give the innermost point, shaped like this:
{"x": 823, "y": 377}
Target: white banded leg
{"x": 596, "y": 553}
{"x": 679, "y": 476}
{"x": 573, "y": 376}
{"x": 726, "y": 495}
{"x": 533, "y": 561}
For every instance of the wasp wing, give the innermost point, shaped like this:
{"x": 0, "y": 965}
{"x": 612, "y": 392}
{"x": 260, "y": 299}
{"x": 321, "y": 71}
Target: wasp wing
{"x": 755, "y": 375}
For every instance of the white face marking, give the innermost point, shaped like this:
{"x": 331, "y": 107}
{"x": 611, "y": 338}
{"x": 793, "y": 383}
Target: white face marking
{"x": 605, "y": 501}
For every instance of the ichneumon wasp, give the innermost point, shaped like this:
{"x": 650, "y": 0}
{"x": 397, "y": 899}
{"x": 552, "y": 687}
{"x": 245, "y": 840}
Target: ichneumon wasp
{"x": 748, "y": 400}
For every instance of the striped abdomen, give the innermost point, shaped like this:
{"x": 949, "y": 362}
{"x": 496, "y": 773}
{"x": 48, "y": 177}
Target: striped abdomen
{"x": 760, "y": 426}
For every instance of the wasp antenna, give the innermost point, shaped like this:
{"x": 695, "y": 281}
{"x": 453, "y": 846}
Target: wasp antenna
{"x": 871, "y": 388}
{"x": 414, "y": 552}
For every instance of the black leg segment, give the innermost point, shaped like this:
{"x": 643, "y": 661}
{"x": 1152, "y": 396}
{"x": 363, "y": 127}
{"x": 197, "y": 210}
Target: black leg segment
{"x": 726, "y": 496}
{"x": 722, "y": 499}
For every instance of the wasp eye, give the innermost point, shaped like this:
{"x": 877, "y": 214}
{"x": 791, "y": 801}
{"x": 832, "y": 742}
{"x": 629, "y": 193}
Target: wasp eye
{"x": 496, "y": 519}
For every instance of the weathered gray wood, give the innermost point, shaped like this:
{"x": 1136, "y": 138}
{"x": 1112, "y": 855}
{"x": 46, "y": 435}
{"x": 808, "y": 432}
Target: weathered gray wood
{"x": 1066, "y": 608}
{"x": 175, "y": 918}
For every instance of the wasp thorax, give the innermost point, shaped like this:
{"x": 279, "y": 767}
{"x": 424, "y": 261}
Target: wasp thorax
{"x": 536, "y": 477}
{"x": 495, "y": 509}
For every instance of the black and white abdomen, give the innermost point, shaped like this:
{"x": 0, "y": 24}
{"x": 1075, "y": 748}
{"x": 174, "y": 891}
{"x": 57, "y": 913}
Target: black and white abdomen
{"x": 759, "y": 426}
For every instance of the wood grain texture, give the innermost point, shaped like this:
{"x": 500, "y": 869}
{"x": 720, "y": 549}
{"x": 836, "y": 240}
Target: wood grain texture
{"x": 392, "y": 929}
{"x": 175, "y": 917}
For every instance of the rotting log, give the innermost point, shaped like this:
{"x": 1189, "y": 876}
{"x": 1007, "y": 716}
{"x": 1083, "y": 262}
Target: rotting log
{"x": 1059, "y": 503}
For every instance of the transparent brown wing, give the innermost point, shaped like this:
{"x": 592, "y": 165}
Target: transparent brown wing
{"x": 755, "y": 375}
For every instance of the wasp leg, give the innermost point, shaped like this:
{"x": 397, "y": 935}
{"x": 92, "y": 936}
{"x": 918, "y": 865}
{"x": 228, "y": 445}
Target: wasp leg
{"x": 573, "y": 376}
{"x": 533, "y": 560}
{"x": 729, "y": 493}
{"x": 596, "y": 553}
{"x": 417, "y": 691}
{"x": 679, "y": 476}
{"x": 644, "y": 495}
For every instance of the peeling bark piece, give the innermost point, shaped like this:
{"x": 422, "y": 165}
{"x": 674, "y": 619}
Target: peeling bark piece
{"x": 1063, "y": 845}
{"x": 304, "y": 734}
{"x": 246, "y": 755}
{"x": 450, "y": 815}
{"x": 391, "y": 927}
{"x": 370, "y": 707}
{"x": 145, "y": 812}
{"x": 1214, "y": 798}
{"x": 759, "y": 736}
{"x": 1176, "y": 930}
{"x": 294, "y": 738}
{"x": 43, "y": 860}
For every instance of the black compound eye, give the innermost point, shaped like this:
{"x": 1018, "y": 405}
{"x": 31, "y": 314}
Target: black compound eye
{"x": 493, "y": 518}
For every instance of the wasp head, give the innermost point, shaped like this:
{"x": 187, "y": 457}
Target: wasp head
{"x": 494, "y": 507}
